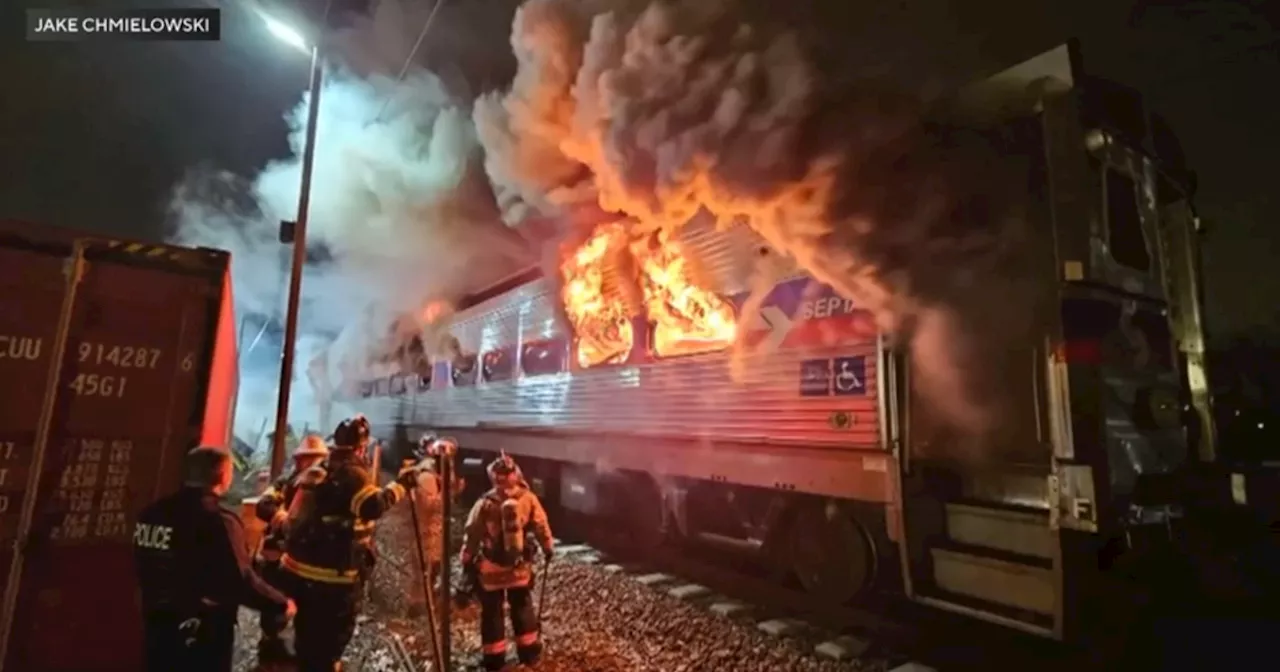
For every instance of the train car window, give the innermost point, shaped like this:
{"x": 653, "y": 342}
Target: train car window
{"x": 607, "y": 342}
{"x": 424, "y": 371}
{"x": 540, "y": 358}
{"x": 1125, "y": 237}
{"x": 464, "y": 370}
{"x": 498, "y": 365}
{"x": 397, "y": 385}
{"x": 366, "y": 389}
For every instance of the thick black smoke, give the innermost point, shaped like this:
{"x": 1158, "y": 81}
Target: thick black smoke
{"x": 663, "y": 110}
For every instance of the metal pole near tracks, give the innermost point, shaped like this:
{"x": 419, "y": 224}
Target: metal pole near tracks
{"x": 74, "y": 269}
{"x": 542, "y": 593}
{"x": 295, "y": 270}
{"x": 447, "y": 451}
{"x": 428, "y": 593}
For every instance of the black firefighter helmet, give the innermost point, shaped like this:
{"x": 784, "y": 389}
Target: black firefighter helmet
{"x": 504, "y": 466}
{"x": 351, "y": 433}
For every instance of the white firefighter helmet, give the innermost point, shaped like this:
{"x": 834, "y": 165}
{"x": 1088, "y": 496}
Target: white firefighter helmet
{"x": 312, "y": 446}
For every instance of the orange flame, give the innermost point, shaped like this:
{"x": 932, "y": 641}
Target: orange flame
{"x": 686, "y": 319}
{"x": 600, "y": 319}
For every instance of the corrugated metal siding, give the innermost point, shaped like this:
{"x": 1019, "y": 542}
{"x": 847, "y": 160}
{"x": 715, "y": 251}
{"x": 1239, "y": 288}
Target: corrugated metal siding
{"x": 537, "y": 312}
{"x": 722, "y": 261}
{"x": 689, "y": 396}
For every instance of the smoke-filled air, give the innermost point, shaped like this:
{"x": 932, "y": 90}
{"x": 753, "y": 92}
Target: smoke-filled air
{"x": 650, "y": 113}
{"x": 399, "y": 217}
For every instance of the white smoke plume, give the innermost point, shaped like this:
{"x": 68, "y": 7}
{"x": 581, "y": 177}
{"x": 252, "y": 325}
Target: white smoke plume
{"x": 657, "y": 112}
{"x": 400, "y": 217}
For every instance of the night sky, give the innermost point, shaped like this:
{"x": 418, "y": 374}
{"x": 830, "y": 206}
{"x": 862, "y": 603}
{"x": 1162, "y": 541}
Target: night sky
{"x": 93, "y": 136}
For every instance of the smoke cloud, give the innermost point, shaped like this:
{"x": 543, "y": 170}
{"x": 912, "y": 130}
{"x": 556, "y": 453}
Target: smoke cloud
{"x": 645, "y": 112}
{"x": 401, "y": 222}
{"x": 658, "y": 112}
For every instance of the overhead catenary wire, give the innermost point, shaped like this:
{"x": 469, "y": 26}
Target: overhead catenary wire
{"x": 408, "y": 61}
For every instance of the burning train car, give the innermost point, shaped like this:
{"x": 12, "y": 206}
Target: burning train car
{"x": 789, "y": 428}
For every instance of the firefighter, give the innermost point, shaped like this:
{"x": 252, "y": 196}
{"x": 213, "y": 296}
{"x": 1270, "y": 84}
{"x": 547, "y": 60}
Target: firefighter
{"x": 495, "y": 553}
{"x": 194, "y": 571}
{"x": 428, "y": 499}
{"x": 273, "y": 509}
{"x": 328, "y": 544}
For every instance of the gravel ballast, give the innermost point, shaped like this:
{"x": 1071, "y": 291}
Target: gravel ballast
{"x": 596, "y": 621}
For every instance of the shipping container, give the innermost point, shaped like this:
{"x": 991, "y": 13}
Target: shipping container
{"x": 140, "y": 339}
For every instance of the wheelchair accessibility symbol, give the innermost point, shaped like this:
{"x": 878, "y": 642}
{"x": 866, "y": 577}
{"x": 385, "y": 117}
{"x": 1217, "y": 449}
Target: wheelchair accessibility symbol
{"x": 849, "y": 376}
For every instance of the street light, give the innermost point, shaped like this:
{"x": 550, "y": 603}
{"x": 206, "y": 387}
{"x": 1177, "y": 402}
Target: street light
{"x": 293, "y": 38}
{"x": 285, "y": 33}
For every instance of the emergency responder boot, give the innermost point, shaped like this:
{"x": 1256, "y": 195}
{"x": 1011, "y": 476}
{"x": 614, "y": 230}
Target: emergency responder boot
{"x": 274, "y": 650}
{"x": 530, "y": 654}
{"x": 493, "y": 662}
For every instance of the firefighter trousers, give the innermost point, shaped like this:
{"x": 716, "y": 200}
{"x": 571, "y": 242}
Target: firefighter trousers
{"x": 196, "y": 642}
{"x": 273, "y": 620}
{"x": 524, "y": 624}
{"x": 325, "y": 622}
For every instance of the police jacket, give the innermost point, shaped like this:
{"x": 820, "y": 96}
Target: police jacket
{"x": 329, "y": 531}
{"x": 494, "y": 536}
{"x": 191, "y": 557}
{"x": 272, "y": 507}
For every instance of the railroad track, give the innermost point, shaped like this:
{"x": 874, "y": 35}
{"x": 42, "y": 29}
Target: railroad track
{"x": 906, "y": 637}
{"x": 389, "y": 656}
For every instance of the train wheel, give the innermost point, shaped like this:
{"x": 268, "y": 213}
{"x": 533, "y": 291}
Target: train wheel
{"x": 830, "y": 553}
{"x": 646, "y": 515}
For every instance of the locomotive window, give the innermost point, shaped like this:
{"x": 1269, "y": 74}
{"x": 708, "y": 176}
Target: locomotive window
{"x": 464, "y": 370}
{"x": 1093, "y": 329}
{"x": 1125, "y": 237}
{"x": 543, "y": 357}
{"x": 1154, "y": 326}
{"x": 498, "y": 365}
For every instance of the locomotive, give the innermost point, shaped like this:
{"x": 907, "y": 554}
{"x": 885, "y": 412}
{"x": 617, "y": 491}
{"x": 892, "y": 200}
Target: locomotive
{"x": 813, "y": 451}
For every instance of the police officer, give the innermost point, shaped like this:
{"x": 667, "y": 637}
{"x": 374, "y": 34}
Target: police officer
{"x": 495, "y": 553}
{"x": 273, "y": 509}
{"x": 194, "y": 571}
{"x": 328, "y": 544}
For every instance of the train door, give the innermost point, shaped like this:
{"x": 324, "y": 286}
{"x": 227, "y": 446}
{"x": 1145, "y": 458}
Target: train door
{"x": 979, "y": 523}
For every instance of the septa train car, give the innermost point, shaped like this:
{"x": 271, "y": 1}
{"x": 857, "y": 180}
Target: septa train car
{"x": 819, "y": 459}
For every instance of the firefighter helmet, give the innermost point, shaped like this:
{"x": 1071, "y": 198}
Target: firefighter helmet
{"x": 427, "y": 446}
{"x": 351, "y": 433}
{"x": 312, "y": 446}
{"x": 503, "y": 466}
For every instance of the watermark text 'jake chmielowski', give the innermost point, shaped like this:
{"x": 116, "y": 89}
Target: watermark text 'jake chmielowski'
{"x": 77, "y": 25}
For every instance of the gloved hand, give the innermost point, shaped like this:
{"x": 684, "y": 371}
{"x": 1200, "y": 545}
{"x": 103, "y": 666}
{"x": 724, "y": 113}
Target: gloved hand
{"x": 408, "y": 477}
{"x": 548, "y": 552}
